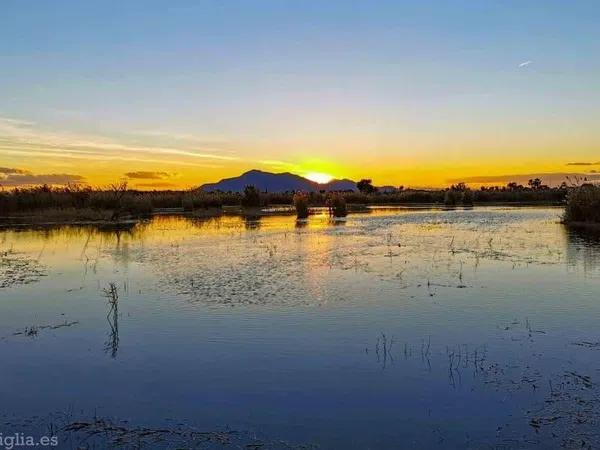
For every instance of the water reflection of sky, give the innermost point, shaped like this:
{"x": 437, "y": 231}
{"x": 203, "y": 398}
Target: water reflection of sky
{"x": 436, "y": 328}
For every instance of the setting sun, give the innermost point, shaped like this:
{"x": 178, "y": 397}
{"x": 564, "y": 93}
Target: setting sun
{"x": 319, "y": 177}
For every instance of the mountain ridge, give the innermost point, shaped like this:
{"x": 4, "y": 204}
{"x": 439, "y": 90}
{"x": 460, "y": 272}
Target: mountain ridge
{"x": 276, "y": 182}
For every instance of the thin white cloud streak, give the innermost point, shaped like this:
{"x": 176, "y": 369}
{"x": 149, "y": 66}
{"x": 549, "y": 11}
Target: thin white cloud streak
{"x": 18, "y": 137}
{"x": 525, "y": 63}
{"x": 99, "y": 157}
{"x": 272, "y": 162}
{"x": 20, "y": 134}
{"x": 16, "y": 122}
{"x": 209, "y": 140}
{"x": 50, "y": 178}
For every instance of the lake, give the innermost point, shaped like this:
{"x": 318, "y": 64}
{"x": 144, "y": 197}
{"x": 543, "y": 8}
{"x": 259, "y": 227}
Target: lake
{"x": 398, "y": 328}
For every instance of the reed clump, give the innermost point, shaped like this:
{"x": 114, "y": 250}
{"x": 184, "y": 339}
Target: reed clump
{"x": 300, "y": 201}
{"x": 583, "y": 205}
{"x": 337, "y": 205}
{"x": 251, "y": 197}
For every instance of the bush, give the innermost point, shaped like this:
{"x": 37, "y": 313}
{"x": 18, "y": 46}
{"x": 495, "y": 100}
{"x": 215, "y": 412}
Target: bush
{"x": 337, "y": 205}
{"x": 301, "y": 205}
{"x": 450, "y": 197}
{"x": 277, "y": 198}
{"x": 203, "y": 200}
{"x": 136, "y": 204}
{"x": 165, "y": 199}
{"x": 583, "y": 204}
{"x": 467, "y": 197}
{"x": 251, "y": 197}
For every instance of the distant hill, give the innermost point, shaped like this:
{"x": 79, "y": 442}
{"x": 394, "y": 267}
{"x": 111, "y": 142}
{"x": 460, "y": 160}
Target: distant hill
{"x": 276, "y": 182}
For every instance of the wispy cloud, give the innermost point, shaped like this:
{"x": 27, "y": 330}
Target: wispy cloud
{"x": 276, "y": 163}
{"x": 157, "y": 184}
{"x": 551, "y": 179}
{"x": 174, "y": 136}
{"x": 49, "y": 178}
{"x": 12, "y": 170}
{"x": 525, "y": 63}
{"x": 583, "y": 163}
{"x": 24, "y": 138}
{"x": 147, "y": 175}
{"x": 103, "y": 158}
{"x": 7, "y": 121}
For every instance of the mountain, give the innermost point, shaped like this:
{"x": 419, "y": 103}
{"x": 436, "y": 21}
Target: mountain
{"x": 276, "y": 182}
{"x": 339, "y": 185}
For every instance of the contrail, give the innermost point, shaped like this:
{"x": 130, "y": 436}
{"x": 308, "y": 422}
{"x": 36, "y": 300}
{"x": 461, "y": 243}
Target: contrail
{"x": 525, "y": 63}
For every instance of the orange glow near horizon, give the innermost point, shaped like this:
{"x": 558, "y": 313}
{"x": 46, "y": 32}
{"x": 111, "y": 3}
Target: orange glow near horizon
{"x": 33, "y": 154}
{"x": 174, "y": 175}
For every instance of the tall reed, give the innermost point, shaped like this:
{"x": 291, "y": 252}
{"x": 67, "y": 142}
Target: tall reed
{"x": 337, "y": 205}
{"x": 583, "y": 205}
{"x": 301, "y": 204}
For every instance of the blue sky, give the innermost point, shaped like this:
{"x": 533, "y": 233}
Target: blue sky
{"x": 337, "y": 86}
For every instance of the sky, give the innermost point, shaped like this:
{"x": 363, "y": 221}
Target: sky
{"x": 173, "y": 94}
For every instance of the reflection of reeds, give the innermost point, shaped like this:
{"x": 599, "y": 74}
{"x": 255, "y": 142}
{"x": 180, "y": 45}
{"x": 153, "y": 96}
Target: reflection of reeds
{"x": 98, "y": 432}
{"x": 34, "y": 330}
{"x": 112, "y": 344}
{"x": 383, "y": 350}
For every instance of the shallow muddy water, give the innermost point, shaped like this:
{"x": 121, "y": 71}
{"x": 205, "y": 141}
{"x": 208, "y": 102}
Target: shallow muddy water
{"x": 401, "y": 328}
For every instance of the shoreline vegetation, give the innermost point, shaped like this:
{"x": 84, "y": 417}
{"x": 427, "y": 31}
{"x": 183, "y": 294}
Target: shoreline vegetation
{"x": 118, "y": 203}
{"x": 582, "y": 207}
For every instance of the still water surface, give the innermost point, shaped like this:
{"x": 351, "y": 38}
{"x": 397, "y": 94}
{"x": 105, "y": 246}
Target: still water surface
{"x": 395, "y": 329}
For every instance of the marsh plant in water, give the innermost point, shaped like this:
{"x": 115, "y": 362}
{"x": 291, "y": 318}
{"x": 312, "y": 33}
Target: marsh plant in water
{"x": 583, "y": 205}
{"x": 251, "y": 197}
{"x": 111, "y": 293}
{"x": 301, "y": 205}
{"x": 337, "y": 205}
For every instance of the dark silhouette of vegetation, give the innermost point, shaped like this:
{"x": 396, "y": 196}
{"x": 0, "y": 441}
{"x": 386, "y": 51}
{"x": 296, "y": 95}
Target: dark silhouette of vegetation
{"x": 458, "y": 193}
{"x": 450, "y": 197}
{"x": 460, "y": 187}
{"x": 251, "y": 197}
{"x": 536, "y": 184}
{"x": 301, "y": 204}
{"x": 337, "y": 205}
{"x": 111, "y": 293}
{"x": 583, "y": 205}
{"x": 365, "y": 186}
{"x": 467, "y": 197}
{"x": 119, "y": 202}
